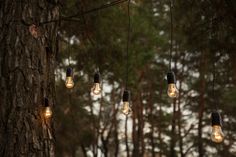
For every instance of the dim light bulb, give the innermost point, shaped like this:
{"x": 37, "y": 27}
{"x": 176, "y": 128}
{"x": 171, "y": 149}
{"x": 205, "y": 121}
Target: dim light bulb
{"x": 69, "y": 82}
{"x": 96, "y": 89}
{"x": 217, "y": 135}
{"x": 126, "y": 108}
{"x": 172, "y": 91}
{"x": 69, "y": 78}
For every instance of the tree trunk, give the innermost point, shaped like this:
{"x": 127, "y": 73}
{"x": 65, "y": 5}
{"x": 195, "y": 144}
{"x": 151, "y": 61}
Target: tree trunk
{"x": 201, "y": 103}
{"x": 26, "y": 77}
{"x": 126, "y": 137}
{"x": 173, "y": 134}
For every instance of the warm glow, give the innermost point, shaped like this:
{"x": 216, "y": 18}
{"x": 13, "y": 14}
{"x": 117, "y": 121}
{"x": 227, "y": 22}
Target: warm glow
{"x": 96, "y": 89}
{"x": 172, "y": 91}
{"x": 125, "y": 108}
{"x": 69, "y": 82}
{"x": 217, "y": 135}
{"x": 48, "y": 112}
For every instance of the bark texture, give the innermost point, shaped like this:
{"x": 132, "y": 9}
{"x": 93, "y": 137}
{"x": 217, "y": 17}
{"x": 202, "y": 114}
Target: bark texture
{"x": 26, "y": 77}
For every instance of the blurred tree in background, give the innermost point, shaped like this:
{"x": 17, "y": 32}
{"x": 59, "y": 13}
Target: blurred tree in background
{"x": 204, "y": 34}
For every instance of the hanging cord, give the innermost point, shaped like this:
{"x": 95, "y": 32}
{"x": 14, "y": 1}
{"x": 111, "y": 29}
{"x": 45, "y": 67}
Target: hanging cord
{"x": 68, "y": 47}
{"x": 127, "y": 48}
{"x": 171, "y": 34}
{"x": 213, "y": 83}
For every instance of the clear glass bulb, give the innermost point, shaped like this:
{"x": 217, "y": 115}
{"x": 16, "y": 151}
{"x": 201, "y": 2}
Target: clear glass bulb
{"x": 172, "y": 91}
{"x": 69, "y": 82}
{"x": 125, "y": 108}
{"x": 217, "y": 135}
{"x": 48, "y": 112}
{"x": 96, "y": 89}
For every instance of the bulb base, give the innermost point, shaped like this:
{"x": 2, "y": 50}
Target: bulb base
{"x": 216, "y": 119}
{"x": 46, "y": 102}
{"x": 96, "y": 78}
{"x": 171, "y": 77}
{"x": 126, "y": 96}
{"x": 69, "y": 72}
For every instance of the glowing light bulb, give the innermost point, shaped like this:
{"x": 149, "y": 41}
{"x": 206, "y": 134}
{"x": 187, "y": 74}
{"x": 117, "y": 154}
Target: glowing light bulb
{"x": 125, "y": 109}
{"x": 172, "y": 90}
{"x": 48, "y": 112}
{"x": 96, "y": 89}
{"x": 69, "y": 78}
{"x": 47, "y": 109}
{"x": 217, "y": 135}
{"x": 69, "y": 82}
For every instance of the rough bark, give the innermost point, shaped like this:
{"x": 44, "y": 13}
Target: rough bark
{"x": 26, "y": 77}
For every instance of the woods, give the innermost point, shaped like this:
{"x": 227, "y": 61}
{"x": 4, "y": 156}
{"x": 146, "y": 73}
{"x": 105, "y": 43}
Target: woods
{"x": 41, "y": 40}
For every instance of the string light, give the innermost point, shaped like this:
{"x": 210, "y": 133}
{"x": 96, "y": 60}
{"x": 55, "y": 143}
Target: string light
{"x": 126, "y": 103}
{"x": 69, "y": 78}
{"x": 96, "y": 89}
{"x": 47, "y": 109}
{"x": 172, "y": 90}
{"x": 125, "y": 106}
{"x": 217, "y": 135}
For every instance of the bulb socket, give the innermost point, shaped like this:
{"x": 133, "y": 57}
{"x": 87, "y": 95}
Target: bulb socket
{"x": 171, "y": 77}
{"x": 46, "y": 102}
{"x": 216, "y": 119}
{"x": 126, "y": 95}
{"x": 96, "y": 78}
{"x": 69, "y": 72}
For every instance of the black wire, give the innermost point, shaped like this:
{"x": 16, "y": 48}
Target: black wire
{"x": 171, "y": 35}
{"x": 213, "y": 83}
{"x": 127, "y": 48}
{"x": 68, "y": 47}
{"x": 69, "y": 18}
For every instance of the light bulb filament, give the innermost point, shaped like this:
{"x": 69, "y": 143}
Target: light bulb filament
{"x": 69, "y": 82}
{"x": 96, "y": 89}
{"x": 126, "y": 108}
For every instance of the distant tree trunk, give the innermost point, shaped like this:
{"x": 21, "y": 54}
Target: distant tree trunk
{"x": 126, "y": 136}
{"x": 116, "y": 138}
{"x": 26, "y": 77}
{"x": 181, "y": 77}
{"x": 141, "y": 126}
{"x": 160, "y": 123}
{"x": 173, "y": 128}
{"x": 84, "y": 150}
{"x": 135, "y": 131}
{"x": 173, "y": 124}
{"x": 201, "y": 102}
{"x": 151, "y": 107}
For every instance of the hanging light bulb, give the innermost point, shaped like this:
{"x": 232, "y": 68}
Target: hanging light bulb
{"x": 47, "y": 109}
{"x": 172, "y": 91}
{"x": 217, "y": 135}
{"x": 126, "y": 105}
{"x": 96, "y": 89}
{"x": 69, "y": 78}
